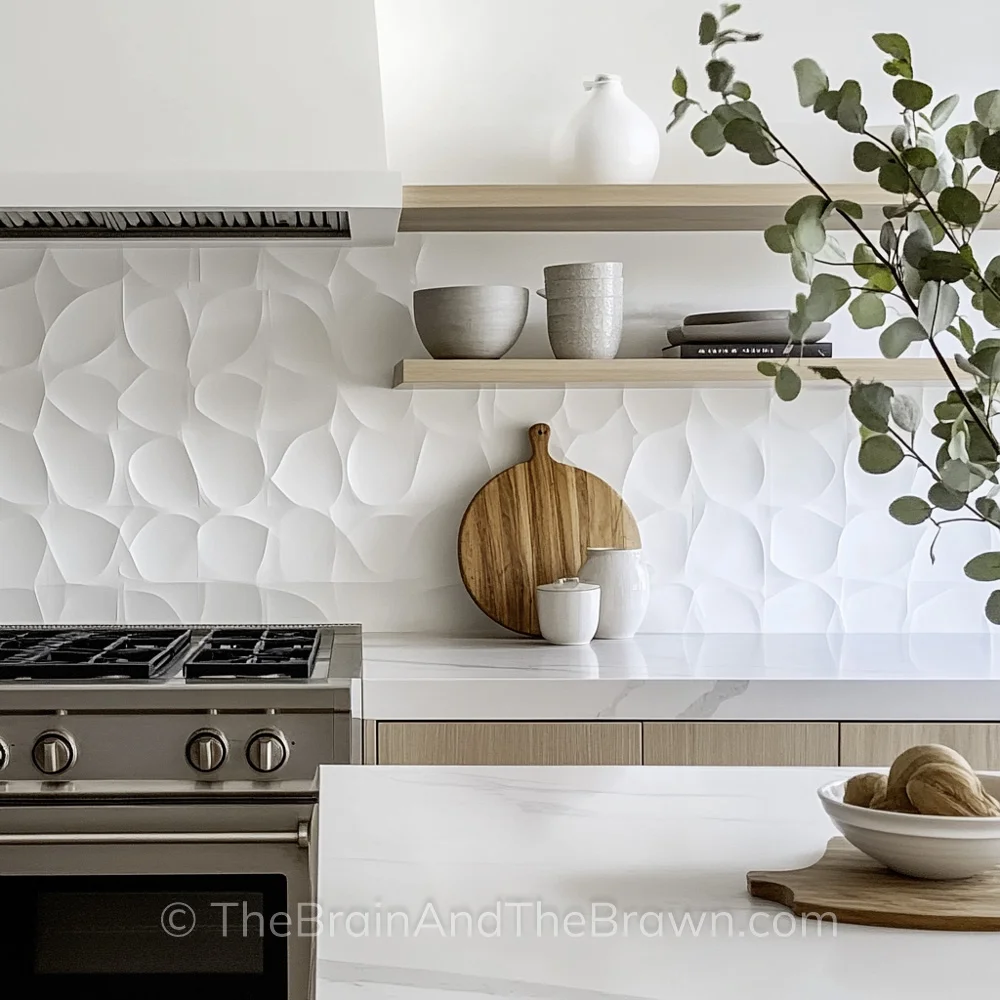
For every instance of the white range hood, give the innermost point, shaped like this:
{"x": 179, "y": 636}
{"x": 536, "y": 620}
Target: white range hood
{"x": 194, "y": 120}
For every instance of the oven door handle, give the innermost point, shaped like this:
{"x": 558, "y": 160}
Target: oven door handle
{"x": 299, "y": 836}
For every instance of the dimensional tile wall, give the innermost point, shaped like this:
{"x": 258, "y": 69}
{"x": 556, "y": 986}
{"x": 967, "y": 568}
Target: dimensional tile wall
{"x": 208, "y": 435}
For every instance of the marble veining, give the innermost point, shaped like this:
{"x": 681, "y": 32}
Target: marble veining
{"x": 735, "y": 677}
{"x": 672, "y": 842}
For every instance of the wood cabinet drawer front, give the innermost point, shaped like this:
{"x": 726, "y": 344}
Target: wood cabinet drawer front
{"x": 877, "y": 744}
{"x": 509, "y": 743}
{"x": 735, "y": 744}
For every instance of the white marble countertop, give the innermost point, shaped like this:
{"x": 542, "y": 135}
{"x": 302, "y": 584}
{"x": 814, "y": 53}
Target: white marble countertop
{"x": 406, "y": 851}
{"x": 794, "y": 677}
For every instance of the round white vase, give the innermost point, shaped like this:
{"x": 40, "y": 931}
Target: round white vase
{"x": 624, "y": 581}
{"x": 610, "y": 140}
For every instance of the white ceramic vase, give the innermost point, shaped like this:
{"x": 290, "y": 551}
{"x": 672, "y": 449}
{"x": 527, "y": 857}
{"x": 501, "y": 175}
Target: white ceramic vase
{"x": 568, "y": 611}
{"x": 624, "y": 581}
{"x": 610, "y": 140}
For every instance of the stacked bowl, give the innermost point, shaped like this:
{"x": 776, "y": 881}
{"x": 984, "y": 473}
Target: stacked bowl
{"x": 584, "y": 305}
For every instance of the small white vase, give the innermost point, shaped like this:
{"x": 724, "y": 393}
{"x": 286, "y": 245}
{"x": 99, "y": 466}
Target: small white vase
{"x": 568, "y": 611}
{"x": 610, "y": 140}
{"x": 624, "y": 581}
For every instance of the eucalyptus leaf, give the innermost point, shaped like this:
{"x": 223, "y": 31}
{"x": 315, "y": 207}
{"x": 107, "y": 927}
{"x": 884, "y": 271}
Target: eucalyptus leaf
{"x": 984, "y": 568}
{"x": 960, "y": 476}
{"x": 729, "y": 8}
{"x": 993, "y": 607}
{"x": 938, "y": 306}
{"x": 720, "y": 74}
{"x": 748, "y": 137}
{"x": 680, "y": 84}
{"x": 869, "y": 157}
{"x": 708, "y": 136}
{"x": 893, "y": 45}
{"x": 828, "y": 102}
{"x": 917, "y": 246}
{"x": 968, "y": 367}
{"x": 910, "y": 510}
{"x": 747, "y": 109}
{"x": 802, "y": 265}
{"x": 965, "y": 141}
{"x": 870, "y": 403}
{"x": 768, "y": 368}
{"x": 879, "y": 454}
{"x": 851, "y": 115}
{"x": 787, "y": 384}
{"x": 829, "y": 292}
{"x": 811, "y": 81}
{"x": 989, "y": 152}
{"x": 807, "y": 203}
{"x": 943, "y": 265}
{"x": 988, "y": 109}
{"x": 905, "y": 411}
{"x": 943, "y": 111}
{"x": 850, "y": 208}
{"x": 680, "y": 109}
{"x": 946, "y": 499}
{"x": 829, "y": 373}
{"x": 912, "y": 94}
{"x": 778, "y": 239}
{"x": 893, "y": 177}
{"x": 810, "y": 233}
{"x": 960, "y": 205}
{"x": 898, "y": 336}
{"x": 868, "y": 311}
{"x": 740, "y": 89}
{"x": 919, "y": 157}
{"x": 708, "y": 28}
{"x": 989, "y": 509}
{"x": 887, "y": 238}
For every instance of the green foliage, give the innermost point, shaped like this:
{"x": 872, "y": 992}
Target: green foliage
{"x": 922, "y": 256}
{"x": 879, "y": 454}
{"x": 787, "y": 384}
{"x": 910, "y": 510}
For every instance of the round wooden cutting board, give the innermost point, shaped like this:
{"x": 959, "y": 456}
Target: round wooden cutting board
{"x": 533, "y": 524}
{"x": 858, "y": 890}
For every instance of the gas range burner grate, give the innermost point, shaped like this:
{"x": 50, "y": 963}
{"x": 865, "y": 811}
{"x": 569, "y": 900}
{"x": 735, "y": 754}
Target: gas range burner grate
{"x": 68, "y": 654}
{"x": 254, "y": 653}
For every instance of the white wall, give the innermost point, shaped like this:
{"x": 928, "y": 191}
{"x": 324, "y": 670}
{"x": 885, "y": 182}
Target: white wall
{"x": 208, "y": 437}
{"x": 474, "y": 89}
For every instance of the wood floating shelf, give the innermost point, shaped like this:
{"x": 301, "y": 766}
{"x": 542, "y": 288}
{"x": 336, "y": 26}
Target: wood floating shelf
{"x": 622, "y": 207}
{"x": 677, "y": 373}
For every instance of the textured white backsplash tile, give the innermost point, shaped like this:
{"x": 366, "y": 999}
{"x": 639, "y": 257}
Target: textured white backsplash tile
{"x": 208, "y": 435}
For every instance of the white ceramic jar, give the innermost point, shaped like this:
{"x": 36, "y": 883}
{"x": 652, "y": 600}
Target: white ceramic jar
{"x": 624, "y": 581}
{"x": 568, "y": 611}
{"x": 610, "y": 140}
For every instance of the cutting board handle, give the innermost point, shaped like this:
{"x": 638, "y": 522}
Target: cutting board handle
{"x": 539, "y": 437}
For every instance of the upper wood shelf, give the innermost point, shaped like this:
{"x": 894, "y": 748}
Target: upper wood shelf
{"x": 544, "y": 373}
{"x": 620, "y": 207}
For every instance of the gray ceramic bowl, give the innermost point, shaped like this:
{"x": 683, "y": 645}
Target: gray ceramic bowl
{"x": 470, "y": 321}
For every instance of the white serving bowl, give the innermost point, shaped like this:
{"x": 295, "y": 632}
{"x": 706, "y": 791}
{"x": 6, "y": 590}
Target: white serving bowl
{"x": 933, "y": 847}
{"x": 470, "y": 321}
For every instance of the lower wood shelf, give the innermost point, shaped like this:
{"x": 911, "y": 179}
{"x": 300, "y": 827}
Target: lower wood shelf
{"x": 543, "y": 373}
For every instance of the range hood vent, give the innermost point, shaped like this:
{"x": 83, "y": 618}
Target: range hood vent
{"x": 182, "y": 224}
{"x": 195, "y": 121}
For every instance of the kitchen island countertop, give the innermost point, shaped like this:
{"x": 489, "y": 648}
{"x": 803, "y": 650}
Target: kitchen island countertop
{"x": 734, "y": 677}
{"x": 413, "y": 858}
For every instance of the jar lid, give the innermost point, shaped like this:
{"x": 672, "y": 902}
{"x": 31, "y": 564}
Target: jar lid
{"x": 568, "y": 584}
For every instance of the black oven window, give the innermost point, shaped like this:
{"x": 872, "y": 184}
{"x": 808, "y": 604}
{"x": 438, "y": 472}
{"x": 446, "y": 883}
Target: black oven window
{"x": 146, "y": 937}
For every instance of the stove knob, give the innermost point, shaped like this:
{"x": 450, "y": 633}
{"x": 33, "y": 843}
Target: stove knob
{"x": 4, "y": 755}
{"x": 206, "y": 751}
{"x": 53, "y": 753}
{"x": 266, "y": 751}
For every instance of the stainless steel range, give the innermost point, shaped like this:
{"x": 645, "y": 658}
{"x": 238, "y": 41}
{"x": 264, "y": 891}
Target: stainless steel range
{"x": 157, "y": 804}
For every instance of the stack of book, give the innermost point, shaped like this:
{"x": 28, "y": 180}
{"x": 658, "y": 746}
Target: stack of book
{"x": 750, "y": 334}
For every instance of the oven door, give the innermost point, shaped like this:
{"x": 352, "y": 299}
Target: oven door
{"x": 190, "y": 894}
